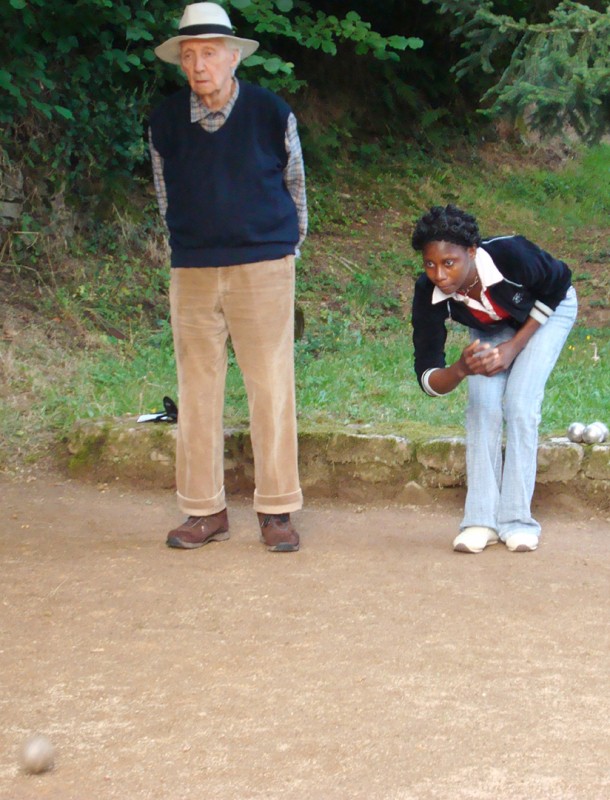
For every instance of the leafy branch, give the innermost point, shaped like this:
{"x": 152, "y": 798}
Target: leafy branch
{"x": 77, "y": 80}
{"x": 558, "y": 72}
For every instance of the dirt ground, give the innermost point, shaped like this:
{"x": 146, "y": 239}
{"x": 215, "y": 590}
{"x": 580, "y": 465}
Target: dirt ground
{"x": 375, "y": 663}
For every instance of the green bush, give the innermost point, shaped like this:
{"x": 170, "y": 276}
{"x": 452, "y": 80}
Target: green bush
{"x": 77, "y": 82}
{"x": 551, "y": 75}
{"x": 73, "y": 91}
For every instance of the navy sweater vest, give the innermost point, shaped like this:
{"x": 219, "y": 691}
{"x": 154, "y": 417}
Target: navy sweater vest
{"x": 227, "y": 200}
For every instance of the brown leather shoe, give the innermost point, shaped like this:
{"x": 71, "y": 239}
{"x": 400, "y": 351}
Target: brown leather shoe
{"x": 277, "y": 533}
{"x": 197, "y": 531}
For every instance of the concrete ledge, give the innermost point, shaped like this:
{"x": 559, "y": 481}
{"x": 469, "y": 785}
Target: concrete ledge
{"x": 352, "y": 466}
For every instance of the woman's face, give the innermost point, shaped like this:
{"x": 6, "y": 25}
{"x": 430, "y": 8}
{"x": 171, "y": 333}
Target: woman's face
{"x": 449, "y": 266}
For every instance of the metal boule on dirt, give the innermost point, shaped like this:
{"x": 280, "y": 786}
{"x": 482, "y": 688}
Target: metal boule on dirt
{"x": 575, "y": 431}
{"x": 37, "y": 754}
{"x": 593, "y": 433}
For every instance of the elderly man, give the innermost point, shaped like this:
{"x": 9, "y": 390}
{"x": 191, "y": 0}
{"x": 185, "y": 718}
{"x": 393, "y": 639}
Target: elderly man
{"x": 229, "y": 176}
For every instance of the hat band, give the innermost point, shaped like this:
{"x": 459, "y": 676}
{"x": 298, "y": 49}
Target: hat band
{"x": 196, "y": 30}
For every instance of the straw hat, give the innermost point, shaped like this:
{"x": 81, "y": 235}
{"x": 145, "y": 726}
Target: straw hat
{"x": 203, "y": 21}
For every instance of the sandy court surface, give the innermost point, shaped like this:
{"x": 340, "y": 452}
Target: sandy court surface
{"x": 375, "y": 663}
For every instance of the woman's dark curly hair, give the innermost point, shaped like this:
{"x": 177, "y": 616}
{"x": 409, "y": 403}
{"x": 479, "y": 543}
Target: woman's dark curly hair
{"x": 448, "y": 224}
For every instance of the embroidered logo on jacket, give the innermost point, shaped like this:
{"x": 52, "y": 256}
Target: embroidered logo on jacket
{"x": 517, "y": 298}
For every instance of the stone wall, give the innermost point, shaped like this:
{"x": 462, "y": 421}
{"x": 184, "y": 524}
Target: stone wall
{"x": 346, "y": 465}
{"x": 11, "y": 194}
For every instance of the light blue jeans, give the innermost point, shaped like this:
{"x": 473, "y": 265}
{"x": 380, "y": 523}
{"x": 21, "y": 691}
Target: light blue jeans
{"x": 499, "y": 495}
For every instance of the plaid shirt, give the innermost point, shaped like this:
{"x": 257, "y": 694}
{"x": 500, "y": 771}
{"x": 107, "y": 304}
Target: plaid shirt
{"x": 211, "y": 121}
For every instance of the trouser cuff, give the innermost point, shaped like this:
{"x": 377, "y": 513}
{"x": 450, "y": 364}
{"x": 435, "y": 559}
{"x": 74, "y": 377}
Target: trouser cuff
{"x": 278, "y": 504}
{"x": 202, "y": 507}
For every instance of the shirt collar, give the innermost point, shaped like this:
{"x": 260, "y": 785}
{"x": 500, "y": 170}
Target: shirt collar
{"x": 199, "y": 111}
{"x": 487, "y": 271}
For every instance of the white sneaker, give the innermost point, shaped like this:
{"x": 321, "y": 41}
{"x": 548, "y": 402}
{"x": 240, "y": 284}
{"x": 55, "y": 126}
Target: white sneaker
{"x": 475, "y": 539}
{"x": 522, "y": 542}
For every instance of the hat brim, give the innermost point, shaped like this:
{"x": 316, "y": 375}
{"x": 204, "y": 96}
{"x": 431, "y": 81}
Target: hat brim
{"x": 170, "y": 50}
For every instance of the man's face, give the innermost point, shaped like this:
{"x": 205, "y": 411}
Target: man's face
{"x": 208, "y": 65}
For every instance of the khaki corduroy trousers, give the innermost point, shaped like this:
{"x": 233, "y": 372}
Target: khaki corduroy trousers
{"x": 253, "y": 304}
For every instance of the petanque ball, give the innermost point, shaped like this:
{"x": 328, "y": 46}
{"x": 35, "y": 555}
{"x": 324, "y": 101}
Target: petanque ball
{"x": 593, "y": 434}
{"x": 37, "y": 755}
{"x": 575, "y": 431}
{"x": 603, "y": 427}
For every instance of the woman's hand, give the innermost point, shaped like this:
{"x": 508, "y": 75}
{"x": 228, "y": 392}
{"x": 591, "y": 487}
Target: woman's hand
{"x": 476, "y": 359}
{"x": 483, "y": 359}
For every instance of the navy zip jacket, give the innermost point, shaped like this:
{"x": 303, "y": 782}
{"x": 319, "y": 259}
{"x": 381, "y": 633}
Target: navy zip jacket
{"x": 533, "y": 284}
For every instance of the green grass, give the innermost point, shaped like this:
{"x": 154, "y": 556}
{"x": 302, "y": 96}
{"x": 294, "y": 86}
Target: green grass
{"x": 354, "y": 362}
{"x": 361, "y": 382}
{"x": 571, "y": 197}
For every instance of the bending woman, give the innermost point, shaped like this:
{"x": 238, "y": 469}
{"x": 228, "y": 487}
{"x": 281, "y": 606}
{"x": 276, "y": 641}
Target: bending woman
{"x": 519, "y": 304}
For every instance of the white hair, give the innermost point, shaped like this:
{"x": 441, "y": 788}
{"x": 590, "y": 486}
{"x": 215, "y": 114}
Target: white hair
{"x": 234, "y": 47}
